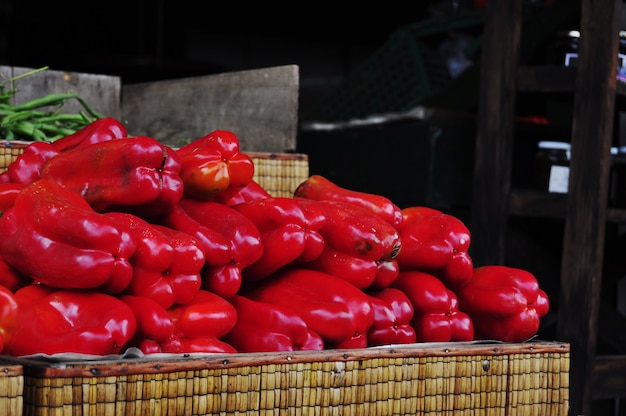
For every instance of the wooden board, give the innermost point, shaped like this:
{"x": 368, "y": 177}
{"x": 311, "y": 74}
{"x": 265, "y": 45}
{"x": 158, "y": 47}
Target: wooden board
{"x": 259, "y": 106}
{"x": 102, "y": 92}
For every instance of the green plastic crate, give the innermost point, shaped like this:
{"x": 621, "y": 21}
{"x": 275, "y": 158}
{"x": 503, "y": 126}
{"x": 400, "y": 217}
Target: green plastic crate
{"x": 406, "y": 70}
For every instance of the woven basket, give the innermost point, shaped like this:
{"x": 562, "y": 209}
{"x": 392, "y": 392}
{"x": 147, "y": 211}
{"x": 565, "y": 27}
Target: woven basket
{"x": 11, "y": 388}
{"x": 278, "y": 173}
{"x": 9, "y": 151}
{"x": 429, "y": 379}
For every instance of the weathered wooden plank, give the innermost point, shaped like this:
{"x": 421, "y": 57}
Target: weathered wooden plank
{"x": 102, "y": 92}
{"x": 259, "y": 106}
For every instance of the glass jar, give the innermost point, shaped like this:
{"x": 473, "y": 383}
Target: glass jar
{"x": 552, "y": 166}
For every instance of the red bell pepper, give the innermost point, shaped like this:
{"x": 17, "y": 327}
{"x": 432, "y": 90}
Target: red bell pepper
{"x": 387, "y": 272}
{"x": 436, "y": 314}
{"x": 355, "y": 242}
{"x": 320, "y": 188}
{"x": 166, "y": 264}
{"x": 11, "y": 278}
{"x": 27, "y": 167}
{"x": 8, "y": 193}
{"x": 200, "y": 325}
{"x": 137, "y": 175}
{"x": 243, "y": 237}
{"x": 336, "y": 310}
{"x": 237, "y": 194}
{"x": 212, "y": 164}
{"x": 9, "y": 313}
{"x": 154, "y": 324}
{"x": 505, "y": 303}
{"x": 215, "y": 245}
{"x": 54, "y": 236}
{"x": 99, "y": 130}
{"x": 285, "y": 235}
{"x": 393, "y": 313}
{"x": 55, "y": 321}
{"x": 436, "y": 243}
{"x": 267, "y": 327}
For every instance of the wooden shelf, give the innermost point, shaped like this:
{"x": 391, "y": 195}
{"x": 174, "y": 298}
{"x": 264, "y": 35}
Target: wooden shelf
{"x": 584, "y": 210}
{"x": 532, "y": 203}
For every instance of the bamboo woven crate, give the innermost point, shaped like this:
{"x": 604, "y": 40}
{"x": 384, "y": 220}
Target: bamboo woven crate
{"x": 11, "y": 388}
{"x": 486, "y": 379}
{"x": 9, "y": 151}
{"x": 280, "y": 173}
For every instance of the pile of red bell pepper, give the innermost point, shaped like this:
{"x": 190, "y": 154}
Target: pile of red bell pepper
{"x": 110, "y": 241}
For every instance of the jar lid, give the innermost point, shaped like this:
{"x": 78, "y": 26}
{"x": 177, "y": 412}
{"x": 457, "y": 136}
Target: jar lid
{"x": 554, "y": 145}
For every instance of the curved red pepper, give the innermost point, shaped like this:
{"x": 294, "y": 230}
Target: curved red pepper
{"x": 357, "y": 271}
{"x": 212, "y": 164}
{"x": 505, "y": 303}
{"x": 9, "y": 314}
{"x": 166, "y": 264}
{"x": 388, "y": 271}
{"x": 354, "y": 230}
{"x": 266, "y": 327}
{"x": 238, "y": 194}
{"x": 8, "y": 193}
{"x": 320, "y": 188}
{"x": 137, "y": 175}
{"x": 356, "y": 242}
{"x": 331, "y": 307}
{"x": 436, "y": 243}
{"x": 284, "y": 232}
{"x": 54, "y": 236}
{"x": 436, "y": 315}
{"x": 99, "y": 130}
{"x": 216, "y": 246}
{"x": 200, "y": 325}
{"x": 11, "y": 278}
{"x": 244, "y": 239}
{"x": 27, "y": 167}
{"x": 70, "y": 321}
{"x": 154, "y": 324}
{"x": 393, "y": 313}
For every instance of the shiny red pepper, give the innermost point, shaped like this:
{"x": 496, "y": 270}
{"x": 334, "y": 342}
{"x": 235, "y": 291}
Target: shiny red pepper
{"x": 54, "y": 236}
{"x": 355, "y": 242}
{"x": 27, "y": 167}
{"x": 267, "y": 327}
{"x": 285, "y": 234}
{"x": 200, "y": 325}
{"x": 436, "y": 314}
{"x": 8, "y": 193}
{"x": 100, "y": 130}
{"x": 55, "y": 321}
{"x": 436, "y": 243}
{"x": 336, "y": 310}
{"x": 154, "y": 324}
{"x": 505, "y": 303}
{"x": 166, "y": 264}
{"x": 244, "y": 239}
{"x": 9, "y": 314}
{"x": 320, "y": 188}
{"x": 393, "y": 313}
{"x": 11, "y": 278}
{"x": 237, "y": 194}
{"x": 138, "y": 175}
{"x": 212, "y": 164}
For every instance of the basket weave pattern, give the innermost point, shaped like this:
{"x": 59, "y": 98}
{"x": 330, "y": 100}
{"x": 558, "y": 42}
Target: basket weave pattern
{"x": 278, "y": 173}
{"x": 454, "y": 379}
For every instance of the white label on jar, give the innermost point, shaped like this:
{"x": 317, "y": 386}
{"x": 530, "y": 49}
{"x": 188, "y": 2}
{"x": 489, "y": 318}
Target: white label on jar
{"x": 559, "y": 179}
